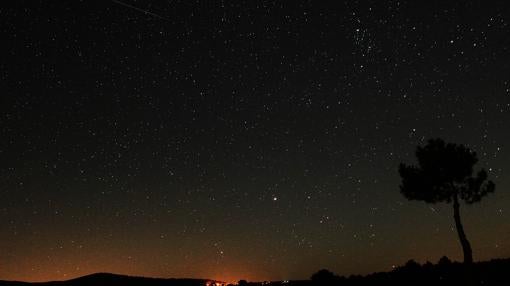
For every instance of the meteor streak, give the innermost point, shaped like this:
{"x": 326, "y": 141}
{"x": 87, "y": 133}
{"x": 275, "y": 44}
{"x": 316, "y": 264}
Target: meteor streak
{"x": 146, "y": 12}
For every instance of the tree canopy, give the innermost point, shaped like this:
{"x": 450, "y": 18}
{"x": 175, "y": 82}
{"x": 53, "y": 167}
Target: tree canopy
{"x": 444, "y": 170}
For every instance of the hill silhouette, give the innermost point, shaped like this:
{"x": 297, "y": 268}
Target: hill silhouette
{"x": 445, "y": 273}
{"x": 109, "y": 279}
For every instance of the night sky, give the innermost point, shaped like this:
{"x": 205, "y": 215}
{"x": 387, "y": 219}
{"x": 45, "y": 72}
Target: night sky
{"x": 246, "y": 139}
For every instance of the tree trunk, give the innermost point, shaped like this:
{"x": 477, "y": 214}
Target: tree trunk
{"x": 466, "y": 247}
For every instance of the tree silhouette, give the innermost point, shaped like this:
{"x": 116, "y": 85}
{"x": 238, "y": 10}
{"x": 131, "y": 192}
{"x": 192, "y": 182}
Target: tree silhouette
{"x": 445, "y": 174}
{"x": 324, "y": 277}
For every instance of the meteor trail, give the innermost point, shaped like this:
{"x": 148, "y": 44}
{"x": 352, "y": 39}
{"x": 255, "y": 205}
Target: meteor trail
{"x": 146, "y": 12}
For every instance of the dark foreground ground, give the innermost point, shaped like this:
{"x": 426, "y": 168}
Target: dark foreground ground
{"x": 494, "y": 272}
{"x": 107, "y": 279}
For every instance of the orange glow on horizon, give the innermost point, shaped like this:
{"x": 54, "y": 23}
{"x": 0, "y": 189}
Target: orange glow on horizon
{"x": 45, "y": 271}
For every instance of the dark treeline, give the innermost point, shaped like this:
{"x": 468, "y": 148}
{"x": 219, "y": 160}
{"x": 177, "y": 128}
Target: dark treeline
{"x": 445, "y": 272}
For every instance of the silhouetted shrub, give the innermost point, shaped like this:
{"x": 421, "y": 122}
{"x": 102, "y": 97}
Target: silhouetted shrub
{"x": 444, "y": 261}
